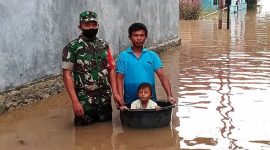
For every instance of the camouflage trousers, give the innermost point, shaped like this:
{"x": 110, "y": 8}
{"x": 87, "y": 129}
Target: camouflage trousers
{"x": 96, "y": 105}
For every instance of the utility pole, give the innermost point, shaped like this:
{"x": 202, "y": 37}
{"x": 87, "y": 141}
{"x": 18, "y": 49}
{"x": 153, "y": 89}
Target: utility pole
{"x": 220, "y": 14}
{"x": 228, "y": 4}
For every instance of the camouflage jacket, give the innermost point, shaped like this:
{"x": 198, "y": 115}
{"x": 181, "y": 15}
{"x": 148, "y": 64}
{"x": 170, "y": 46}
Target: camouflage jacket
{"x": 88, "y": 60}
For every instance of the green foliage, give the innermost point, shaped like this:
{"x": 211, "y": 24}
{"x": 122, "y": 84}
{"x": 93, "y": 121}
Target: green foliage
{"x": 189, "y": 9}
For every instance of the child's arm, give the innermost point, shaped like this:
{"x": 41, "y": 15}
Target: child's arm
{"x": 133, "y": 105}
{"x": 157, "y": 108}
{"x": 155, "y": 105}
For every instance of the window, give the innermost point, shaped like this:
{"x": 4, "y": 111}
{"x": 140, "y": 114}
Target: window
{"x": 215, "y": 2}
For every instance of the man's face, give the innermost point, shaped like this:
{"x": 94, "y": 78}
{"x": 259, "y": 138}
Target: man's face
{"x": 138, "y": 38}
{"x": 89, "y": 25}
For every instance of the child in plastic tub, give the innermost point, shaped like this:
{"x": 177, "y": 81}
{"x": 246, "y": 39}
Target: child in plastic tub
{"x": 144, "y": 102}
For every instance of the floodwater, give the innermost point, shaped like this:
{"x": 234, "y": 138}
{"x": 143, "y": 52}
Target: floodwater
{"x": 220, "y": 77}
{"x": 224, "y": 78}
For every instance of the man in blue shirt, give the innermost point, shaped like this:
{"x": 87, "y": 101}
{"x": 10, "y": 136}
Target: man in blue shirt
{"x": 136, "y": 65}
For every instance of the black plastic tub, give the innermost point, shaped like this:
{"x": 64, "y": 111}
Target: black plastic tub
{"x": 148, "y": 118}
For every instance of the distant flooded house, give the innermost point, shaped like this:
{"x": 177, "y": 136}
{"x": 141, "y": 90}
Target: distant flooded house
{"x": 214, "y": 5}
{"x": 238, "y": 5}
{"x": 210, "y": 4}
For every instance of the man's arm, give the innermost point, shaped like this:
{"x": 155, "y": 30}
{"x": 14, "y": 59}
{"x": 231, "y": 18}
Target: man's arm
{"x": 165, "y": 84}
{"x": 112, "y": 79}
{"x": 77, "y": 107}
{"x": 120, "y": 84}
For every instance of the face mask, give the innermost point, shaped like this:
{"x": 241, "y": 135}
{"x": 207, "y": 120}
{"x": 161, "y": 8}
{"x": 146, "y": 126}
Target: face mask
{"x": 90, "y": 33}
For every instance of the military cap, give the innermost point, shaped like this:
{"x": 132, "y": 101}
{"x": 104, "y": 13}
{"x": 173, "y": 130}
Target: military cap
{"x": 88, "y": 16}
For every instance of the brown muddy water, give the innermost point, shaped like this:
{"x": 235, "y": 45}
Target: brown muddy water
{"x": 220, "y": 77}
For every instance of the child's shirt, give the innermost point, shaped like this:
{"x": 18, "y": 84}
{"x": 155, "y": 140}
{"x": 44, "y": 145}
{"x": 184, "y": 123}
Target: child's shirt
{"x": 138, "y": 105}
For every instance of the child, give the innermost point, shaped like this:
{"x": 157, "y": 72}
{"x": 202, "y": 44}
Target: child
{"x": 144, "y": 102}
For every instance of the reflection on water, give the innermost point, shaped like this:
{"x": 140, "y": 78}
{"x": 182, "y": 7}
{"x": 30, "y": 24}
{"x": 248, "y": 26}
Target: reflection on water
{"x": 134, "y": 139}
{"x": 97, "y": 136}
{"x": 220, "y": 77}
{"x": 201, "y": 140}
{"x": 225, "y": 83}
{"x": 42, "y": 126}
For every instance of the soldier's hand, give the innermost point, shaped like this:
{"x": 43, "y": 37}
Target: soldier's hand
{"x": 78, "y": 109}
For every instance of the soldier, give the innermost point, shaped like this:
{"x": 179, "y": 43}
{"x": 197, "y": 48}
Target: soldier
{"x": 90, "y": 61}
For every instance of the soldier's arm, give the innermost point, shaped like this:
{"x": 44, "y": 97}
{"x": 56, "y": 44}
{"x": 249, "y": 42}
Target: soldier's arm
{"x": 77, "y": 107}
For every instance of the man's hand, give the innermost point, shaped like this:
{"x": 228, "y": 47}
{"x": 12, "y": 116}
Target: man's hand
{"x": 118, "y": 100}
{"x": 78, "y": 109}
{"x": 171, "y": 100}
{"x": 123, "y": 108}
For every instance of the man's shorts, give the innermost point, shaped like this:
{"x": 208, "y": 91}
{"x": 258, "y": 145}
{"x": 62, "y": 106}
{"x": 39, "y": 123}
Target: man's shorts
{"x": 100, "y": 113}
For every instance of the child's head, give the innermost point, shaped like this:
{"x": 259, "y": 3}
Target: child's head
{"x": 144, "y": 91}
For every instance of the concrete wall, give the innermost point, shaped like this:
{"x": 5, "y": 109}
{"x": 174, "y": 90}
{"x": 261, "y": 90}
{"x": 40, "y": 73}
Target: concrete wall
{"x": 34, "y": 32}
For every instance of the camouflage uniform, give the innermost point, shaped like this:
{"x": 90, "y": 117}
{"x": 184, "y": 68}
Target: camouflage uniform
{"x": 88, "y": 60}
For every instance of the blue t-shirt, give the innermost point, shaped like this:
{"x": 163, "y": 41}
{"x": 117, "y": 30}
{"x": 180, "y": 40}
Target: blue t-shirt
{"x": 137, "y": 70}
